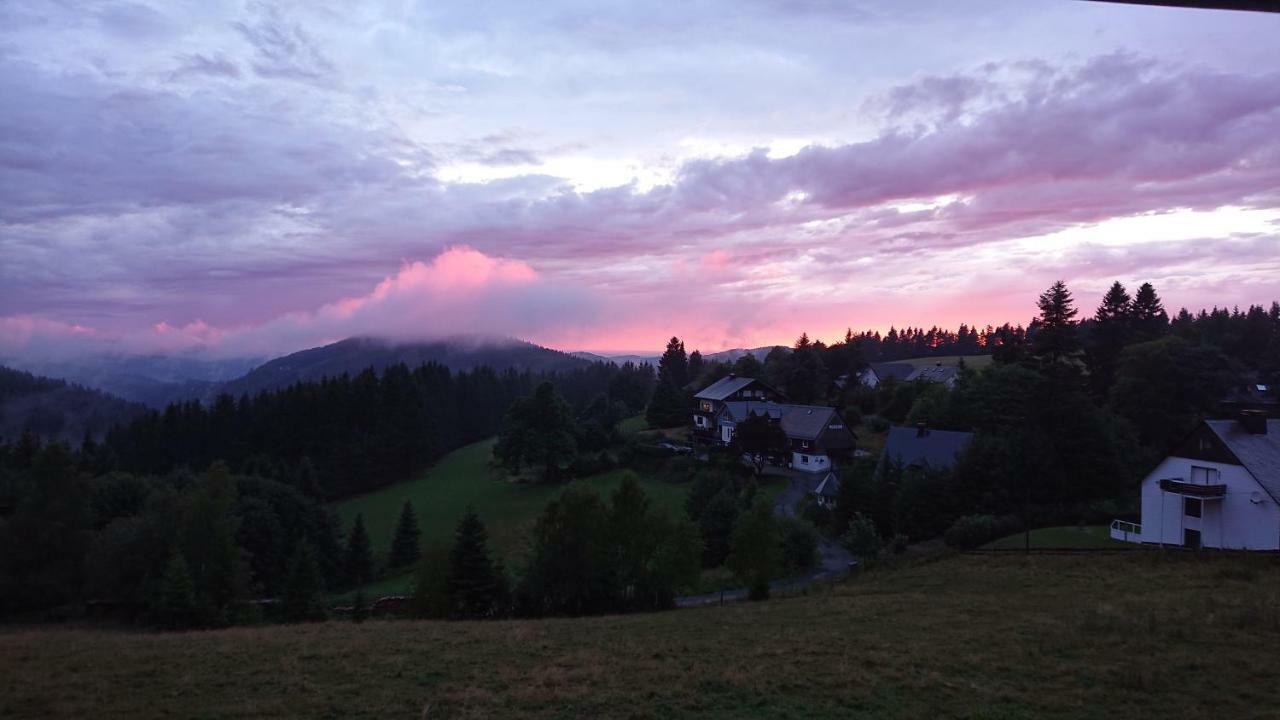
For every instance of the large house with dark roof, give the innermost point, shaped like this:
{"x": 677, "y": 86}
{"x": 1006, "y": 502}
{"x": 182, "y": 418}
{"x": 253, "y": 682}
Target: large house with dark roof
{"x": 1220, "y": 489}
{"x": 817, "y": 436}
{"x": 923, "y": 447}
{"x": 711, "y": 400}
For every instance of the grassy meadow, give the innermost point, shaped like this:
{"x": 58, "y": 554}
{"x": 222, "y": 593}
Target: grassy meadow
{"x": 1088, "y": 537}
{"x": 463, "y": 478}
{"x": 1138, "y": 635}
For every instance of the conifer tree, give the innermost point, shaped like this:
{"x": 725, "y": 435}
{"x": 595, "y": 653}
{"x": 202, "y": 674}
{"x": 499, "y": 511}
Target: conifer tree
{"x": 1112, "y": 330}
{"x": 176, "y": 606}
{"x": 671, "y": 405}
{"x": 473, "y": 585}
{"x": 1055, "y": 338}
{"x": 359, "y": 607}
{"x": 303, "y": 586}
{"x": 359, "y": 556}
{"x": 1150, "y": 320}
{"x": 405, "y": 549}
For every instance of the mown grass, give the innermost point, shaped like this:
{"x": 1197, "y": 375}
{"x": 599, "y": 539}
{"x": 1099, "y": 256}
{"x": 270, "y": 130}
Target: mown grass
{"x": 1070, "y": 537}
{"x": 1140, "y": 635}
{"x": 463, "y": 478}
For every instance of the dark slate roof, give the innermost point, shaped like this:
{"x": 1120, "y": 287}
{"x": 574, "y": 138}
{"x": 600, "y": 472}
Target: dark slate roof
{"x": 937, "y": 449}
{"x": 896, "y": 370}
{"x": 829, "y": 487}
{"x": 724, "y": 387}
{"x": 798, "y": 421}
{"x": 1260, "y": 454}
{"x": 934, "y": 373}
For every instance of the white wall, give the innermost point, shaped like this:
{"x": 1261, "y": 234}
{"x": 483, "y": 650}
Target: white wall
{"x": 1234, "y": 522}
{"x": 817, "y": 463}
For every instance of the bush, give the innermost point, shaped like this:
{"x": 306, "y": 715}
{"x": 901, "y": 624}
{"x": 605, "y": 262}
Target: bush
{"x": 862, "y": 539}
{"x": 799, "y": 545}
{"x": 973, "y": 531}
{"x": 876, "y": 424}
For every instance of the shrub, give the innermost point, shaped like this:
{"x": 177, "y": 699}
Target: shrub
{"x": 972, "y": 531}
{"x": 799, "y": 545}
{"x": 862, "y": 539}
{"x": 876, "y": 424}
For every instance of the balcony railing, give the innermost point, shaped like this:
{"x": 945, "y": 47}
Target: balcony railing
{"x": 1196, "y": 490}
{"x": 1126, "y": 531}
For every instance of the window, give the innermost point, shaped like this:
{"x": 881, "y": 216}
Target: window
{"x": 706, "y": 406}
{"x": 1191, "y": 507}
{"x": 804, "y": 459}
{"x": 1202, "y": 475}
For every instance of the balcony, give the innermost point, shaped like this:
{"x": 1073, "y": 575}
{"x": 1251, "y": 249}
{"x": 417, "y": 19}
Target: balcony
{"x": 1126, "y": 531}
{"x": 1194, "y": 490}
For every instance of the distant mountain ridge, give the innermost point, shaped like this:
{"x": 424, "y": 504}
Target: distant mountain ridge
{"x": 726, "y": 356}
{"x": 354, "y": 355}
{"x": 57, "y": 410}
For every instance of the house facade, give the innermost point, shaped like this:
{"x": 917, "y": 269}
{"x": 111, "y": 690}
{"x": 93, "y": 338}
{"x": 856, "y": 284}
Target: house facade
{"x": 710, "y": 401}
{"x": 817, "y": 437}
{"x": 1221, "y": 489}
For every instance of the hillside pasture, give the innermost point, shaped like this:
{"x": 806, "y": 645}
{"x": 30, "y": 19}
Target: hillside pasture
{"x": 1135, "y": 635}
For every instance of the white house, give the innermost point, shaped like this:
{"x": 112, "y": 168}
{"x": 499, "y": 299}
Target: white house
{"x": 1220, "y": 490}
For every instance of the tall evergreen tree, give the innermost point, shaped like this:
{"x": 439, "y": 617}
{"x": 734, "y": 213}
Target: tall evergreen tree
{"x": 1055, "y": 339}
{"x": 405, "y": 549}
{"x": 474, "y": 586}
{"x": 175, "y": 606}
{"x": 358, "y": 563}
{"x": 670, "y": 405}
{"x": 1150, "y": 321}
{"x": 211, "y": 547}
{"x": 1111, "y": 331}
{"x": 303, "y": 587}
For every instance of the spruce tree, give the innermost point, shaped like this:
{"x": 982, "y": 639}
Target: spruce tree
{"x": 1055, "y": 338}
{"x": 405, "y": 549}
{"x": 1111, "y": 331}
{"x": 473, "y": 584}
{"x": 302, "y": 588}
{"x": 176, "y": 605}
{"x": 359, "y": 607}
{"x": 670, "y": 405}
{"x": 359, "y": 557}
{"x": 1150, "y": 320}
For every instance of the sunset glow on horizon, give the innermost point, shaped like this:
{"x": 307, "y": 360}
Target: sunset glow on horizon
{"x": 256, "y": 178}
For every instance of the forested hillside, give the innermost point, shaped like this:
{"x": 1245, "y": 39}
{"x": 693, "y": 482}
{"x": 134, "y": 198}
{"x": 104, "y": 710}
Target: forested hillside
{"x": 358, "y": 432}
{"x": 56, "y": 409}
{"x": 356, "y": 354}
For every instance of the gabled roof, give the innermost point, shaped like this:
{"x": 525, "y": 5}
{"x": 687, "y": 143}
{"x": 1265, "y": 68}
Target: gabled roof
{"x": 935, "y": 448}
{"x": 724, "y": 387}
{"x": 798, "y": 421}
{"x": 934, "y": 373}
{"x": 895, "y": 370}
{"x": 829, "y": 487}
{"x": 1259, "y": 454}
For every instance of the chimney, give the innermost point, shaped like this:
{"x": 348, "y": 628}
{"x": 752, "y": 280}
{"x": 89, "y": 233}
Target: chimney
{"x": 1254, "y": 421}
{"x": 921, "y": 430}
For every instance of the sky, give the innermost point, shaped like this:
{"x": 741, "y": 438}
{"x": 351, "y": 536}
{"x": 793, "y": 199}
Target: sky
{"x": 254, "y": 178}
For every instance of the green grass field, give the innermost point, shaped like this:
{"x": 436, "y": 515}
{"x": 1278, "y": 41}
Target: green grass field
{"x": 1138, "y": 635}
{"x": 1088, "y": 537}
{"x": 462, "y": 478}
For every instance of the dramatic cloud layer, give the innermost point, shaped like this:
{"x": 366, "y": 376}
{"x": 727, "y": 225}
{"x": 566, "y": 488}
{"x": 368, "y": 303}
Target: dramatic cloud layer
{"x": 259, "y": 177}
